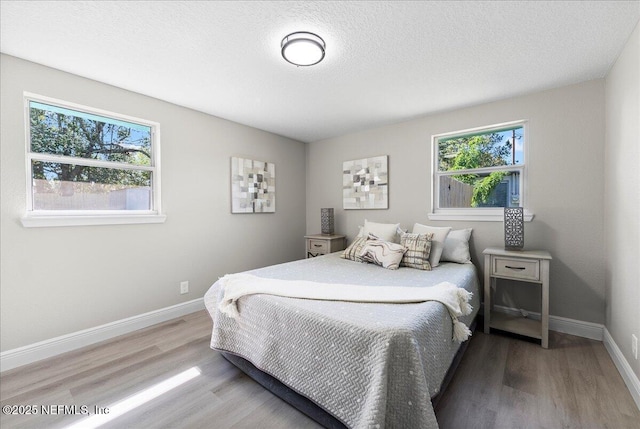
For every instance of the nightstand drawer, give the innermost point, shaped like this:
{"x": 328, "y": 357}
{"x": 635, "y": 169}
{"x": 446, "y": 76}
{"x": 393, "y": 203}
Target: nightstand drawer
{"x": 516, "y": 268}
{"x": 318, "y": 246}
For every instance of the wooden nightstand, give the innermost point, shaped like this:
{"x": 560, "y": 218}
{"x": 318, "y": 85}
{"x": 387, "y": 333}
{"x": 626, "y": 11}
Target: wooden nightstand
{"x": 530, "y": 266}
{"x": 320, "y": 244}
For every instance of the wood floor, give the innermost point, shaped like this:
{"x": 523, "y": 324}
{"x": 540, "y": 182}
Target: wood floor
{"x": 502, "y": 382}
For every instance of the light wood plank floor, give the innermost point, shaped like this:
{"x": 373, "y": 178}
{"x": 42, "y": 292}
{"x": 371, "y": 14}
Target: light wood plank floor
{"x": 501, "y": 382}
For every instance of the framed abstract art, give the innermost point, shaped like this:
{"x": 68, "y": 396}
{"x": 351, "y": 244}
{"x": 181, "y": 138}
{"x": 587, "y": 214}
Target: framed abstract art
{"x": 253, "y": 186}
{"x": 365, "y": 183}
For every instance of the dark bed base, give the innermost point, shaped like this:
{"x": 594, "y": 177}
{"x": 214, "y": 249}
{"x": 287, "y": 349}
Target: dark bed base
{"x": 310, "y": 408}
{"x": 284, "y": 392}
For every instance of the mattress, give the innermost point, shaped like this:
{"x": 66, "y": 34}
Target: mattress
{"x": 367, "y": 364}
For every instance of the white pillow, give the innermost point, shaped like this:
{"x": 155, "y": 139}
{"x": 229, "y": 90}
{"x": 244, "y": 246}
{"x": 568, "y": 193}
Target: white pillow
{"x": 456, "y": 246}
{"x": 399, "y": 233}
{"x": 437, "y": 242}
{"x": 384, "y": 231}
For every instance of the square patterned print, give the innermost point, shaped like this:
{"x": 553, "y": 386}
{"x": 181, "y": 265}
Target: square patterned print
{"x": 253, "y": 186}
{"x": 365, "y": 183}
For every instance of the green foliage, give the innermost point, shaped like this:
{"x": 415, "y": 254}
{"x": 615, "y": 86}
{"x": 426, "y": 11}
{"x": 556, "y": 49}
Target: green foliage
{"x": 479, "y": 151}
{"x": 460, "y": 153}
{"x": 483, "y": 187}
{"x": 59, "y": 134}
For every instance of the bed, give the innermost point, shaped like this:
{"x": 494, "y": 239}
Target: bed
{"x": 372, "y": 365}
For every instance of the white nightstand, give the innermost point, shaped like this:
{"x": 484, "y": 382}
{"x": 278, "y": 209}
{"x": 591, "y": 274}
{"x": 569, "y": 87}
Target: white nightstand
{"x": 320, "y": 244}
{"x": 530, "y": 266}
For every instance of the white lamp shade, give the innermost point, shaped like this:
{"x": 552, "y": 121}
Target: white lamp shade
{"x": 303, "y": 48}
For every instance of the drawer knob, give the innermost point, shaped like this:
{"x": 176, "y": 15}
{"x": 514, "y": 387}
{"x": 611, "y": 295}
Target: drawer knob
{"x": 515, "y": 268}
{"x": 317, "y": 245}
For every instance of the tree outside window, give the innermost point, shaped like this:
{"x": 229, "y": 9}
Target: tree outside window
{"x": 481, "y": 169}
{"x": 85, "y": 161}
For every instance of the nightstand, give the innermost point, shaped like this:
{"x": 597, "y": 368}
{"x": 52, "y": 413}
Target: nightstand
{"x": 531, "y": 266}
{"x": 320, "y": 244}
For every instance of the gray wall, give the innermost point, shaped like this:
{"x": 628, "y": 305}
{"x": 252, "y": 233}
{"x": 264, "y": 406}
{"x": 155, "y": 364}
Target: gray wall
{"x": 566, "y": 148}
{"x": 56, "y": 281}
{"x": 622, "y": 199}
{"x": 44, "y": 292}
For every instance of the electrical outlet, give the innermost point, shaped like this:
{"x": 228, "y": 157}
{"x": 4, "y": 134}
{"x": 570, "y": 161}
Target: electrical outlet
{"x": 184, "y": 287}
{"x": 634, "y": 346}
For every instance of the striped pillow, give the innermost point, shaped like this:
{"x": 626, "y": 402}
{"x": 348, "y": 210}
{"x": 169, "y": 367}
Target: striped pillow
{"x": 383, "y": 253}
{"x": 418, "y": 248}
{"x": 352, "y": 252}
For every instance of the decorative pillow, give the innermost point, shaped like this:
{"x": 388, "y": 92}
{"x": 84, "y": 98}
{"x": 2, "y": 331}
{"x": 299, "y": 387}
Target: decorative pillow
{"x": 385, "y": 231}
{"x": 383, "y": 253}
{"x": 418, "y": 249}
{"x": 437, "y": 241}
{"x": 355, "y": 248}
{"x": 456, "y": 247}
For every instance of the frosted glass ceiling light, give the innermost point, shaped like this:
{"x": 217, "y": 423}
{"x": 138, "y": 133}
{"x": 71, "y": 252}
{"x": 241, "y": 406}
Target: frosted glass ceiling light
{"x": 303, "y": 48}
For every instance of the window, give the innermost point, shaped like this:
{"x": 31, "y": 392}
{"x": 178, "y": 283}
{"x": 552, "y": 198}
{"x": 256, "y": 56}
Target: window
{"x": 478, "y": 172}
{"x": 86, "y": 166}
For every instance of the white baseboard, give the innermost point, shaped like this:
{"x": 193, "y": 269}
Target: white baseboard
{"x": 629, "y": 377}
{"x": 44, "y": 349}
{"x": 579, "y": 328}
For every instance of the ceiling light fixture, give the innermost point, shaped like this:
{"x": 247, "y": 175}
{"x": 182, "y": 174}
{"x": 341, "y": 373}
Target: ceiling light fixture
{"x": 303, "y": 48}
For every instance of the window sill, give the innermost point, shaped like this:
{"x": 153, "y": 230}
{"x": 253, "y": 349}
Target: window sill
{"x": 36, "y": 221}
{"x": 476, "y": 216}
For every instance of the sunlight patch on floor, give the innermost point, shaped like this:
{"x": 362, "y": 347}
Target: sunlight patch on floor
{"x": 121, "y": 407}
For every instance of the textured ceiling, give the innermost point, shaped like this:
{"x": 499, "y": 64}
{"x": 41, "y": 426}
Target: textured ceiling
{"x": 385, "y": 61}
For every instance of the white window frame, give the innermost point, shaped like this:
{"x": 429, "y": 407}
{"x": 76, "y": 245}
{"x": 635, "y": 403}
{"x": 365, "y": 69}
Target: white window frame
{"x": 47, "y": 218}
{"x": 489, "y": 214}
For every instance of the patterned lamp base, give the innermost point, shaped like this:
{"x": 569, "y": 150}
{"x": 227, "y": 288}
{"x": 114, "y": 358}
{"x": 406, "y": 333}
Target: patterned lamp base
{"x": 513, "y": 228}
{"x": 326, "y": 221}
